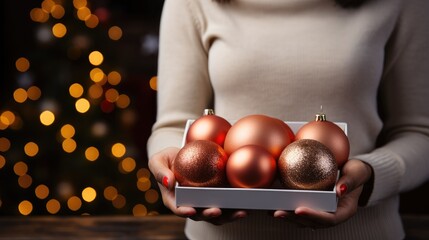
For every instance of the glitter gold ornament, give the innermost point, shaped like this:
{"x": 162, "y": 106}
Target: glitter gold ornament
{"x": 251, "y": 166}
{"x": 328, "y": 133}
{"x": 257, "y": 130}
{"x": 208, "y": 127}
{"x": 201, "y": 163}
{"x": 307, "y": 164}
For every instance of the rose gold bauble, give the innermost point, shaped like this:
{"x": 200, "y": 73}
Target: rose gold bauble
{"x": 208, "y": 127}
{"x": 201, "y": 163}
{"x": 289, "y": 131}
{"x": 251, "y": 166}
{"x": 257, "y": 130}
{"x": 307, "y": 164}
{"x": 328, "y": 133}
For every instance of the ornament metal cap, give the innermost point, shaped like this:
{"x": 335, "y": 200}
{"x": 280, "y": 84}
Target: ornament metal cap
{"x": 321, "y": 116}
{"x": 208, "y": 111}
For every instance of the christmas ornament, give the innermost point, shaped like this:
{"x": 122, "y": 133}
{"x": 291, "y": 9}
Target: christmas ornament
{"x": 257, "y": 130}
{"x": 208, "y": 127}
{"x": 328, "y": 133}
{"x": 251, "y": 166}
{"x": 200, "y": 163}
{"x": 289, "y": 131}
{"x": 307, "y": 164}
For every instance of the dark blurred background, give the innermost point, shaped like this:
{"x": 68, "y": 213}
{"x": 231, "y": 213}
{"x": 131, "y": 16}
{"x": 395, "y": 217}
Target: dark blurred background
{"x": 77, "y": 101}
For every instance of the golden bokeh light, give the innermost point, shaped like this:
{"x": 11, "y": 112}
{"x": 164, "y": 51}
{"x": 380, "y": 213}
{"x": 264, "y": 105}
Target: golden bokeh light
{"x": 4, "y": 144}
{"x": 151, "y": 196}
{"x": 34, "y": 93}
{"x": 95, "y": 91}
{"x": 118, "y": 150}
{"x": 89, "y": 194}
{"x": 20, "y": 168}
{"x": 123, "y": 101}
{"x": 53, "y": 206}
{"x": 111, "y": 95}
{"x": 57, "y": 11}
{"x": 25, "y": 181}
{"x": 119, "y": 201}
{"x": 83, "y": 13}
{"x": 2, "y": 161}
{"x": 59, "y": 30}
{"x": 47, "y": 118}
{"x": 69, "y": 145}
{"x": 39, "y": 15}
{"x": 31, "y": 149}
{"x": 128, "y": 164}
{"x": 79, "y": 3}
{"x": 47, "y": 5}
{"x": 92, "y": 153}
{"x": 139, "y": 210}
{"x": 76, "y": 90}
{"x": 74, "y": 203}
{"x": 41, "y": 191}
{"x": 22, "y": 64}
{"x": 115, "y": 33}
{"x": 96, "y": 58}
{"x": 92, "y": 21}
{"x": 153, "y": 83}
{"x": 20, "y": 95}
{"x": 25, "y": 207}
{"x": 67, "y": 131}
{"x": 143, "y": 184}
{"x": 97, "y": 75}
{"x": 143, "y": 173}
{"x": 114, "y": 78}
{"x": 110, "y": 193}
{"x": 7, "y": 118}
{"x": 82, "y": 105}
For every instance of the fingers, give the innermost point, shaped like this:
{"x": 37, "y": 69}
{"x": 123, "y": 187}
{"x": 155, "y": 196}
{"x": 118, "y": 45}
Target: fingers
{"x": 160, "y": 165}
{"x": 218, "y": 216}
{"x": 355, "y": 173}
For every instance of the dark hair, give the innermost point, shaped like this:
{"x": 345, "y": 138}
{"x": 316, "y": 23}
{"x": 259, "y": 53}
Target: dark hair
{"x": 342, "y": 3}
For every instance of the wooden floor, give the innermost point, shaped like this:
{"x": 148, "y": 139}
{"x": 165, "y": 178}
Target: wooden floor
{"x": 124, "y": 227}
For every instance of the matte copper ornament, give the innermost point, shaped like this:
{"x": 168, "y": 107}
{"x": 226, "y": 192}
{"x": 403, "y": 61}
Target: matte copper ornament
{"x": 308, "y": 165}
{"x": 201, "y": 163}
{"x": 251, "y": 166}
{"x": 257, "y": 130}
{"x": 208, "y": 127}
{"x": 328, "y": 133}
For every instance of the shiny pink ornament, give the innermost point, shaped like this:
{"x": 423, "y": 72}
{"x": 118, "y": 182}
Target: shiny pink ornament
{"x": 201, "y": 163}
{"x": 328, "y": 133}
{"x": 251, "y": 167}
{"x": 208, "y": 127}
{"x": 260, "y": 130}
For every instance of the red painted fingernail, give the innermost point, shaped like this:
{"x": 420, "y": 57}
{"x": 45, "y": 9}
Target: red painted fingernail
{"x": 165, "y": 181}
{"x": 343, "y": 189}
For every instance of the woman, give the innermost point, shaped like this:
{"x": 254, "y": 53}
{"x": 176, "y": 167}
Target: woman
{"x": 367, "y": 65}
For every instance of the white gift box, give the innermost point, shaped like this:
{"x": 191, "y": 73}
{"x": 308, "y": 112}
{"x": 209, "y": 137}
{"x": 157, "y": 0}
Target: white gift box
{"x": 257, "y": 198}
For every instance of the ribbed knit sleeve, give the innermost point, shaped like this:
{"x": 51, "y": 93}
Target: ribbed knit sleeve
{"x": 182, "y": 63}
{"x": 402, "y": 161}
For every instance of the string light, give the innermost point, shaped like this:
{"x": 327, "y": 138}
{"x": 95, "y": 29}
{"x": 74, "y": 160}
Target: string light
{"x": 89, "y": 194}
{"x": 47, "y": 118}
{"x": 101, "y": 91}
{"x": 25, "y": 207}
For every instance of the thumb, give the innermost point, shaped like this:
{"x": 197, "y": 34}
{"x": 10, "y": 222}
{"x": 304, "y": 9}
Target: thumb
{"x": 354, "y": 174}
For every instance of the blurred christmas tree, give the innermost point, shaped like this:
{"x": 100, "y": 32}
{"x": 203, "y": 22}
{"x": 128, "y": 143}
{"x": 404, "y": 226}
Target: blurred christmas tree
{"x": 69, "y": 115}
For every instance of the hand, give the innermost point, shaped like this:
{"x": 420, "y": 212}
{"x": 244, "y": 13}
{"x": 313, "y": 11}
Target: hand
{"x": 160, "y": 165}
{"x": 355, "y": 174}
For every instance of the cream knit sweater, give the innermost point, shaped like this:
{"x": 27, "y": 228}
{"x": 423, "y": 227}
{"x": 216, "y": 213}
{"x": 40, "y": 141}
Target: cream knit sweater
{"x": 368, "y": 67}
